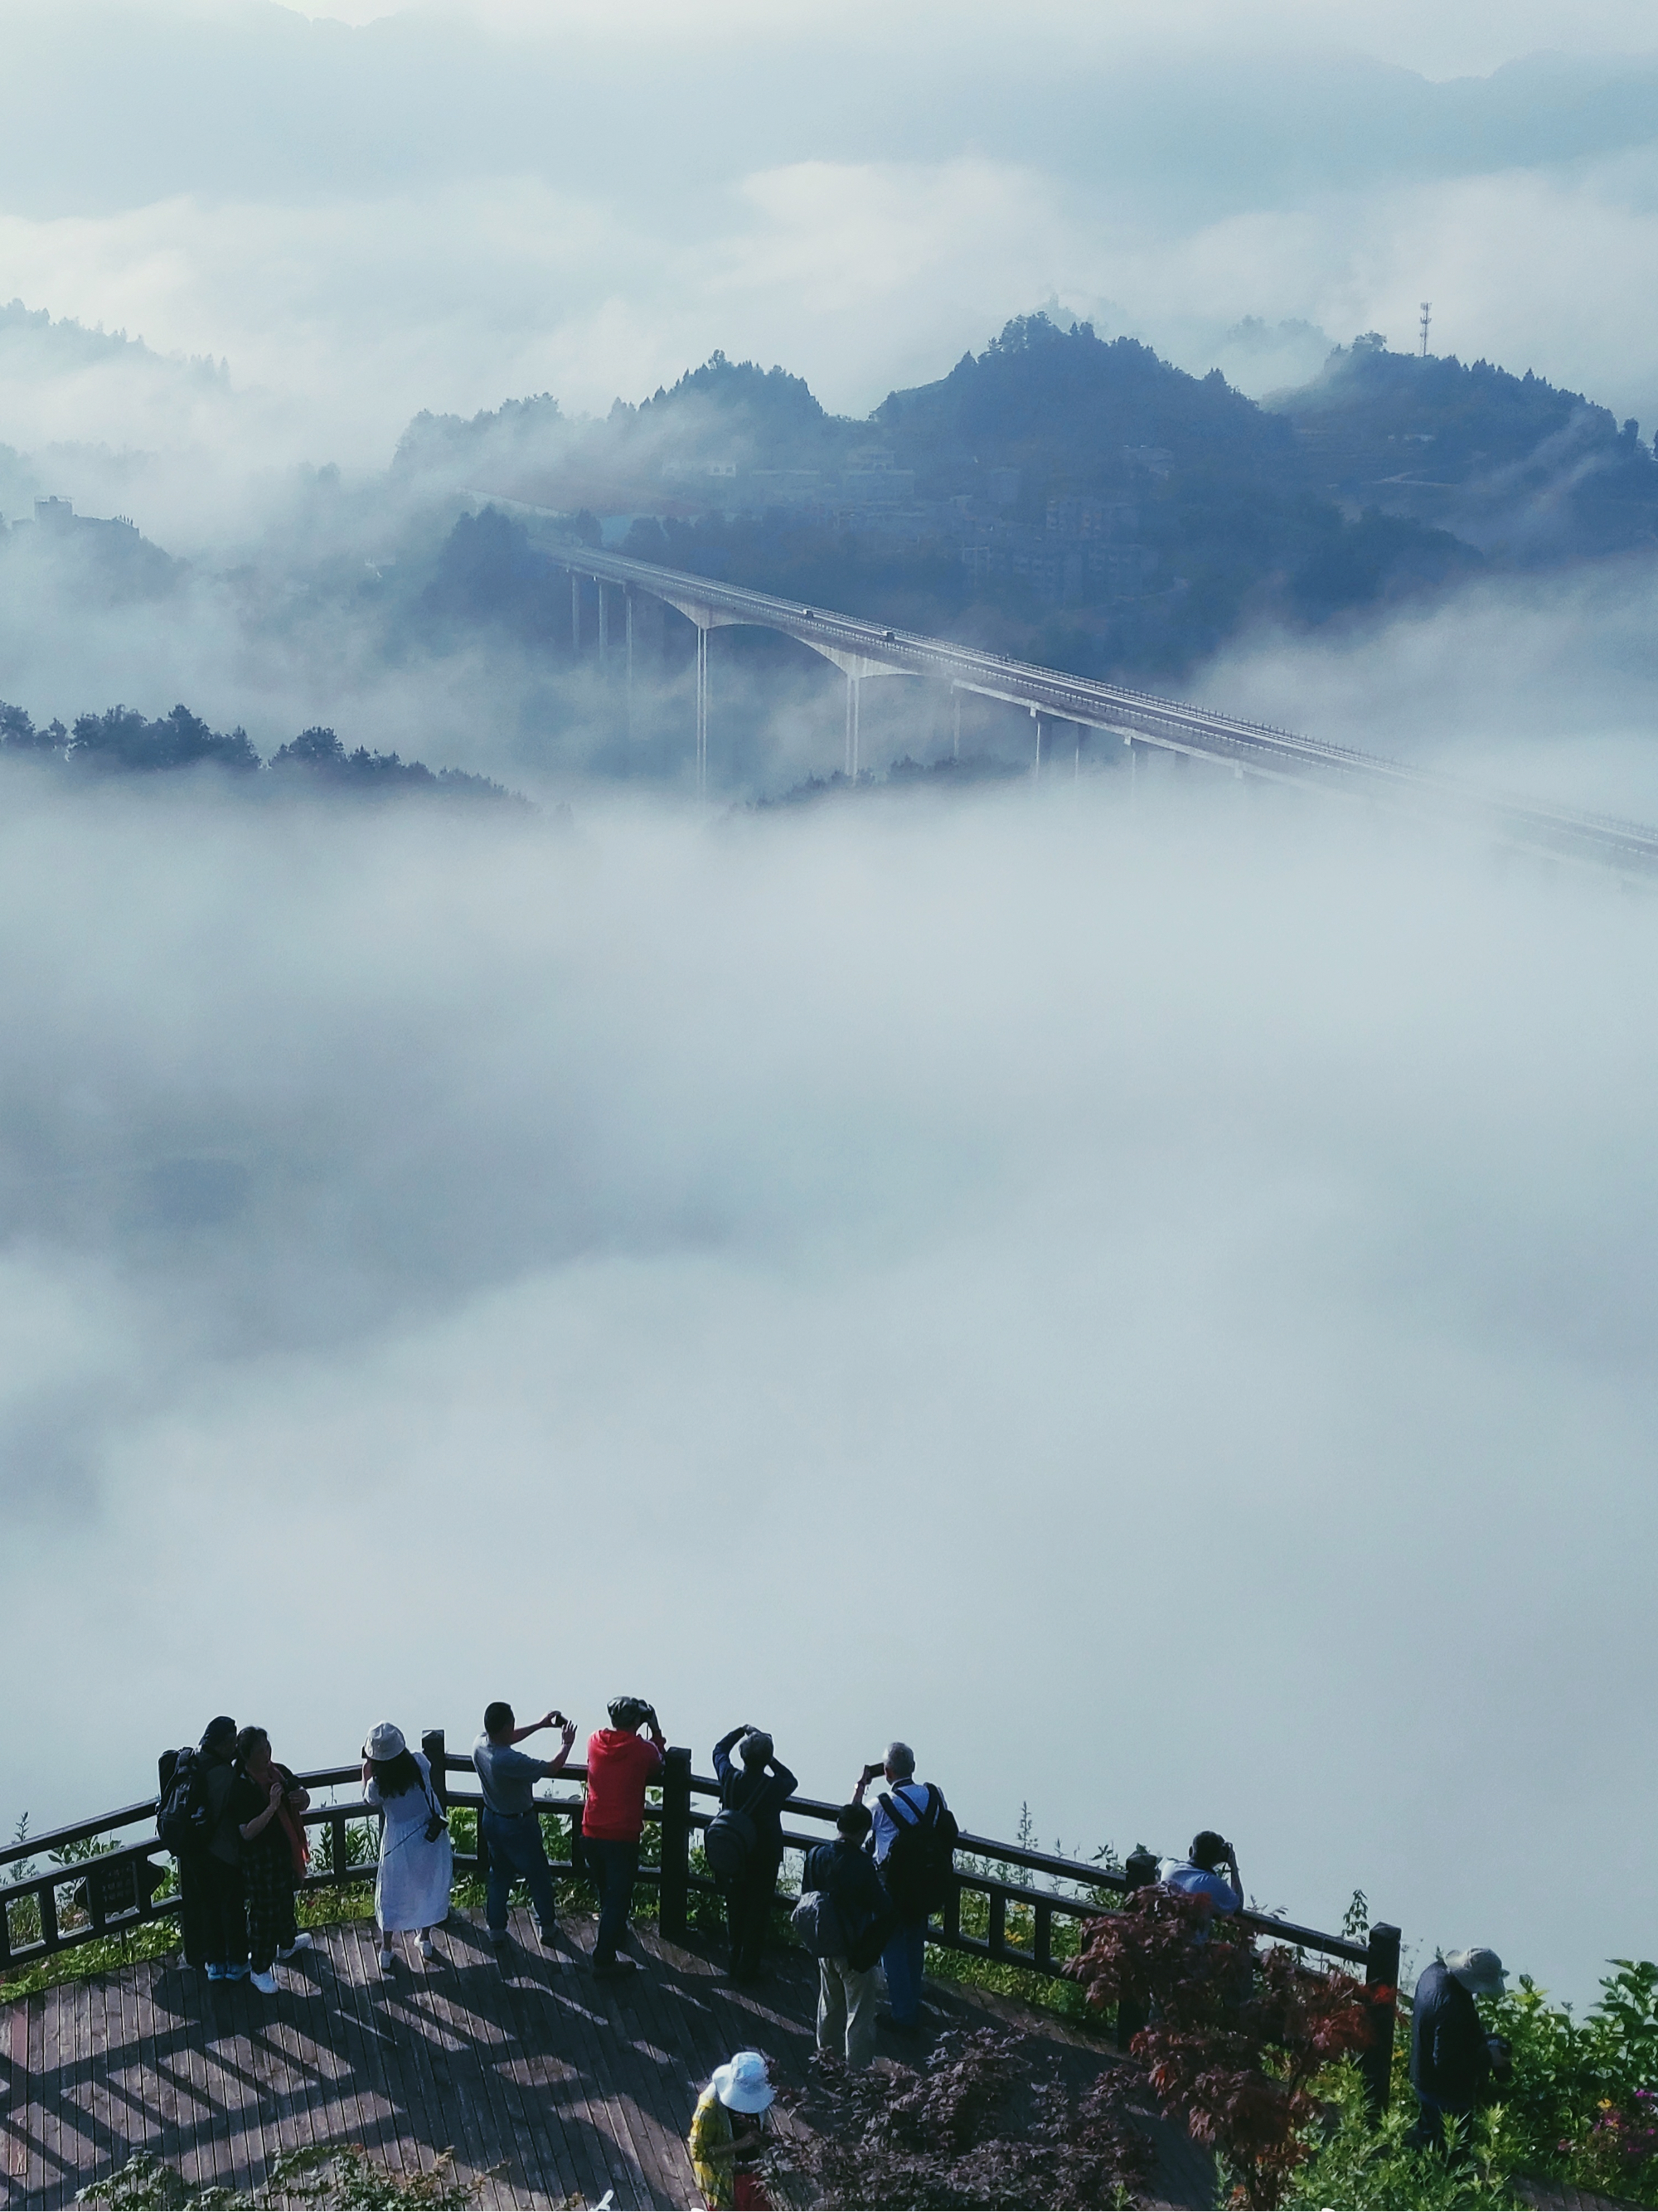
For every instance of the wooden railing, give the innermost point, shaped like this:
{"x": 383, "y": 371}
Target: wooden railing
{"x": 80, "y": 1900}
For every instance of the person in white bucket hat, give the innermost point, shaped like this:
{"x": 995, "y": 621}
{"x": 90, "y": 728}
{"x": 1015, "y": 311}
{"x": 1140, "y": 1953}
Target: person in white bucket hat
{"x": 1454, "y": 2062}
{"x": 417, "y": 1862}
{"x": 727, "y": 2133}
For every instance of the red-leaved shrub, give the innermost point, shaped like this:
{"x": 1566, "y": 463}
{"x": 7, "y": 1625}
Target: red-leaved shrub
{"x": 1235, "y": 2036}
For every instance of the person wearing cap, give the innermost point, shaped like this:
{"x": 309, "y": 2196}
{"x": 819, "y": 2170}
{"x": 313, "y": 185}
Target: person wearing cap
{"x": 728, "y": 2134}
{"x": 417, "y": 1867}
{"x": 509, "y": 1824}
{"x": 756, "y": 1785}
{"x": 1453, "y": 2060}
{"x": 621, "y": 1767}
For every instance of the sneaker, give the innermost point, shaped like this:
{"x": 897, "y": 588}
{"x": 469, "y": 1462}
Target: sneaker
{"x": 549, "y": 1936}
{"x": 612, "y": 1970}
{"x": 496, "y": 1936}
{"x": 265, "y": 1984}
{"x": 301, "y": 1942}
{"x": 388, "y": 1962}
{"x": 427, "y": 1948}
{"x": 217, "y": 1973}
{"x": 237, "y": 1973}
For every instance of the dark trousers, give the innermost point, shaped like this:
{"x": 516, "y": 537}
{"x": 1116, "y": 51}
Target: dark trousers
{"x": 1429, "y": 2133}
{"x": 517, "y": 1853}
{"x": 269, "y": 1878}
{"x": 748, "y": 1912}
{"x": 903, "y": 1962}
{"x": 611, "y": 1867}
{"x": 212, "y": 1914}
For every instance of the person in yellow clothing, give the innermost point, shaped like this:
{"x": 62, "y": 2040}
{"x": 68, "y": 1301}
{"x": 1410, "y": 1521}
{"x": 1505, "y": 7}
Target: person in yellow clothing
{"x": 728, "y": 2135}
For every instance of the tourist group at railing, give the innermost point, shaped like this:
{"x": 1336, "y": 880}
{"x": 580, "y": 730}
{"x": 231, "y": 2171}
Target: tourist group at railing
{"x": 884, "y": 1875}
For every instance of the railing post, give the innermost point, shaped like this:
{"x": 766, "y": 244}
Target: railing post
{"x": 1382, "y": 2000}
{"x": 674, "y": 1889}
{"x": 431, "y": 1742}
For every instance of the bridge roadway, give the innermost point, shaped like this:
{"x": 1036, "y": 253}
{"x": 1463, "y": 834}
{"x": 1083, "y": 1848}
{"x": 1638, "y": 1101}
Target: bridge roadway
{"x": 863, "y": 649}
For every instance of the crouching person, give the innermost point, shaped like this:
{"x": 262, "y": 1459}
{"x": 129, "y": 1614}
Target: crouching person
{"x": 728, "y": 2139}
{"x": 847, "y": 1917}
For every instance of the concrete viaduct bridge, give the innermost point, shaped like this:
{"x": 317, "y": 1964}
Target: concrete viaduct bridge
{"x": 1055, "y": 702}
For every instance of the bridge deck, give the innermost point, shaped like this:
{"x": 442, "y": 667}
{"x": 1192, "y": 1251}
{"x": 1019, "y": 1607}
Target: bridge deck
{"x": 524, "y": 2064}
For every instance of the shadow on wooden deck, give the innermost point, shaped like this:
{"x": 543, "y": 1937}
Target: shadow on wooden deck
{"x": 520, "y": 2063}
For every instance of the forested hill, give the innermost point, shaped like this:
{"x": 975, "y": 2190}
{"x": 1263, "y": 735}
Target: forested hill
{"x": 122, "y": 742}
{"x": 1080, "y": 412}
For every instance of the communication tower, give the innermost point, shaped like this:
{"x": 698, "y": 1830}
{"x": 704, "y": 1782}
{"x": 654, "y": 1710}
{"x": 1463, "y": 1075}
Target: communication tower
{"x": 1427, "y": 312}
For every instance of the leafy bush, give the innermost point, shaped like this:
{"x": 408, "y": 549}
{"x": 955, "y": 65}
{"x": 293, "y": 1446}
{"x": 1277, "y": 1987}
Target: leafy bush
{"x": 981, "y": 2121}
{"x": 1236, "y": 2039}
{"x": 343, "y": 2174}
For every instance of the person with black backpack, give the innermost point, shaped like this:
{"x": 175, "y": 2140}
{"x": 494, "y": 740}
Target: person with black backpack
{"x": 193, "y": 1822}
{"x": 743, "y": 1841}
{"x": 845, "y": 1918}
{"x": 913, "y": 1846}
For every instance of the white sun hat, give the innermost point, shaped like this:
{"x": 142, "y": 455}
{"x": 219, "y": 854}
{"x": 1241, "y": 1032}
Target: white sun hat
{"x": 1478, "y": 1971}
{"x": 385, "y": 1743}
{"x": 744, "y": 2083}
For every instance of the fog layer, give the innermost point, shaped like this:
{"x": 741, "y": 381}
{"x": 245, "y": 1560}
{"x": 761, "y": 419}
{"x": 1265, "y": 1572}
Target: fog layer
{"x": 1151, "y": 1304}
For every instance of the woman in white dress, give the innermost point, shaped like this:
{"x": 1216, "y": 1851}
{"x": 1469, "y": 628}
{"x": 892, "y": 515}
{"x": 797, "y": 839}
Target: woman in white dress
{"x": 411, "y": 1889}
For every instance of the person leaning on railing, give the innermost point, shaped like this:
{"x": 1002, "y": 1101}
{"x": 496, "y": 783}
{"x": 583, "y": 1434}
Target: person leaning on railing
{"x": 621, "y": 1767}
{"x": 266, "y": 1802}
{"x": 212, "y": 1911}
{"x": 510, "y": 1823}
{"x": 1199, "y": 1874}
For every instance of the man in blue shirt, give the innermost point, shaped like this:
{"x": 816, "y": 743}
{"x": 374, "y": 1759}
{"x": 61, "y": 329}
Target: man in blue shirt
{"x": 909, "y": 1802}
{"x": 1199, "y": 1874}
{"x": 509, "y": 1825}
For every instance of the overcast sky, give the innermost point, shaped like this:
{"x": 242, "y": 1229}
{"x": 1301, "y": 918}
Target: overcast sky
{"x": 446, "y": 207}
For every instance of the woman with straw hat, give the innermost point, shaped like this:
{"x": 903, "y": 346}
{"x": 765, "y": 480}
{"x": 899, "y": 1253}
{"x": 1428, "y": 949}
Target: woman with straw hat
{"x": 728, "y": 2135}
{"x": 417, "y": 1862}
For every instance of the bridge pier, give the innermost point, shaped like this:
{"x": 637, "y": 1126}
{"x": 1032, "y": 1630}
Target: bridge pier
{"x": 956, "y": 740}
{"x": 576, "y": 616}
{"x": 603, "y": 624}
{"x": 628, "y": 617}
{"x": 701, "y": 712}
{"x": 1036, "y": 765}
{"x": 854, "y": 685}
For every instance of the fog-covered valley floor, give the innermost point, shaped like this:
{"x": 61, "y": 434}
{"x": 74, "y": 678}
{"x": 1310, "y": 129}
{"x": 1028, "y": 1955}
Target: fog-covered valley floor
{"x": 1150, "y": 1301}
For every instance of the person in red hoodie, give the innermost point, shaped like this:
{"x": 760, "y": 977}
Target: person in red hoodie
{"x": 621, "y": 1767}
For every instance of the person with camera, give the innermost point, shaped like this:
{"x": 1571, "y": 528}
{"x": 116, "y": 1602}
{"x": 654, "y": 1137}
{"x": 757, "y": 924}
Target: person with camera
{"x": 213, "y": 1911}
{"x": 1199, "y": 1875}
{"x": 755, "y": 1787}
{"x": 417, "y": 1861}
{"x": 510, "y": 1824}
{"x": 266, "y": 1802}
{"x": 621, "y": 1767}
{"x": 913, "y": 1837}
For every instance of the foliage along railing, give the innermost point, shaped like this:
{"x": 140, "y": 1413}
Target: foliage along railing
{"x": 97, "y": 1888}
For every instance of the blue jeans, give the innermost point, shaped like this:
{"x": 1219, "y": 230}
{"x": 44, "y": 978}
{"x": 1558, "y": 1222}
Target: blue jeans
{"x": 611, "y": 1867}
{"x": 516, "y": 1853}
{"x": 903, "y": 1962}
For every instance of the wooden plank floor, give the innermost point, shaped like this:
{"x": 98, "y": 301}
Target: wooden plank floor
{"x": 553, "y": 2085}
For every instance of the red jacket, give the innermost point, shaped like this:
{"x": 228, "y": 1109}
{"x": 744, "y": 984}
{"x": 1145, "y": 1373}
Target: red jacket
{"x": 621, "y": 1766}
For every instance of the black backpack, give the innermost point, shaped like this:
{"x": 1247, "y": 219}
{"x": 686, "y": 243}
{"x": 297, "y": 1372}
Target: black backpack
{"x": 920, "y": 1867}
{"x": 184, "y": 1820}
{"x": 729, "y": 1842}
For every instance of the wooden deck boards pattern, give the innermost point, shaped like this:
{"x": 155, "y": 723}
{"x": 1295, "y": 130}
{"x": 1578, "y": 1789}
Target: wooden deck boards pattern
{"x": 552, "y": 2085}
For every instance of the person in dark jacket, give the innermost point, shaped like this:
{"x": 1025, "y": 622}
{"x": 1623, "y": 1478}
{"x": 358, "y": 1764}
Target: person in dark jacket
{"x": 848, "y": 1985}
{"x": 1453, "y": 2060}
{"x": 756, "y": 1785}
{"x": 212, "y": 1913}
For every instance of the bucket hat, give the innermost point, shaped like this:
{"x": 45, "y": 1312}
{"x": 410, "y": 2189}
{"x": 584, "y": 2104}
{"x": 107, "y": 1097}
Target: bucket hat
{"x": 385, "y": 1743}
{"x": 1480, "y": 1972}
{"x": 744, "y": 2083}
